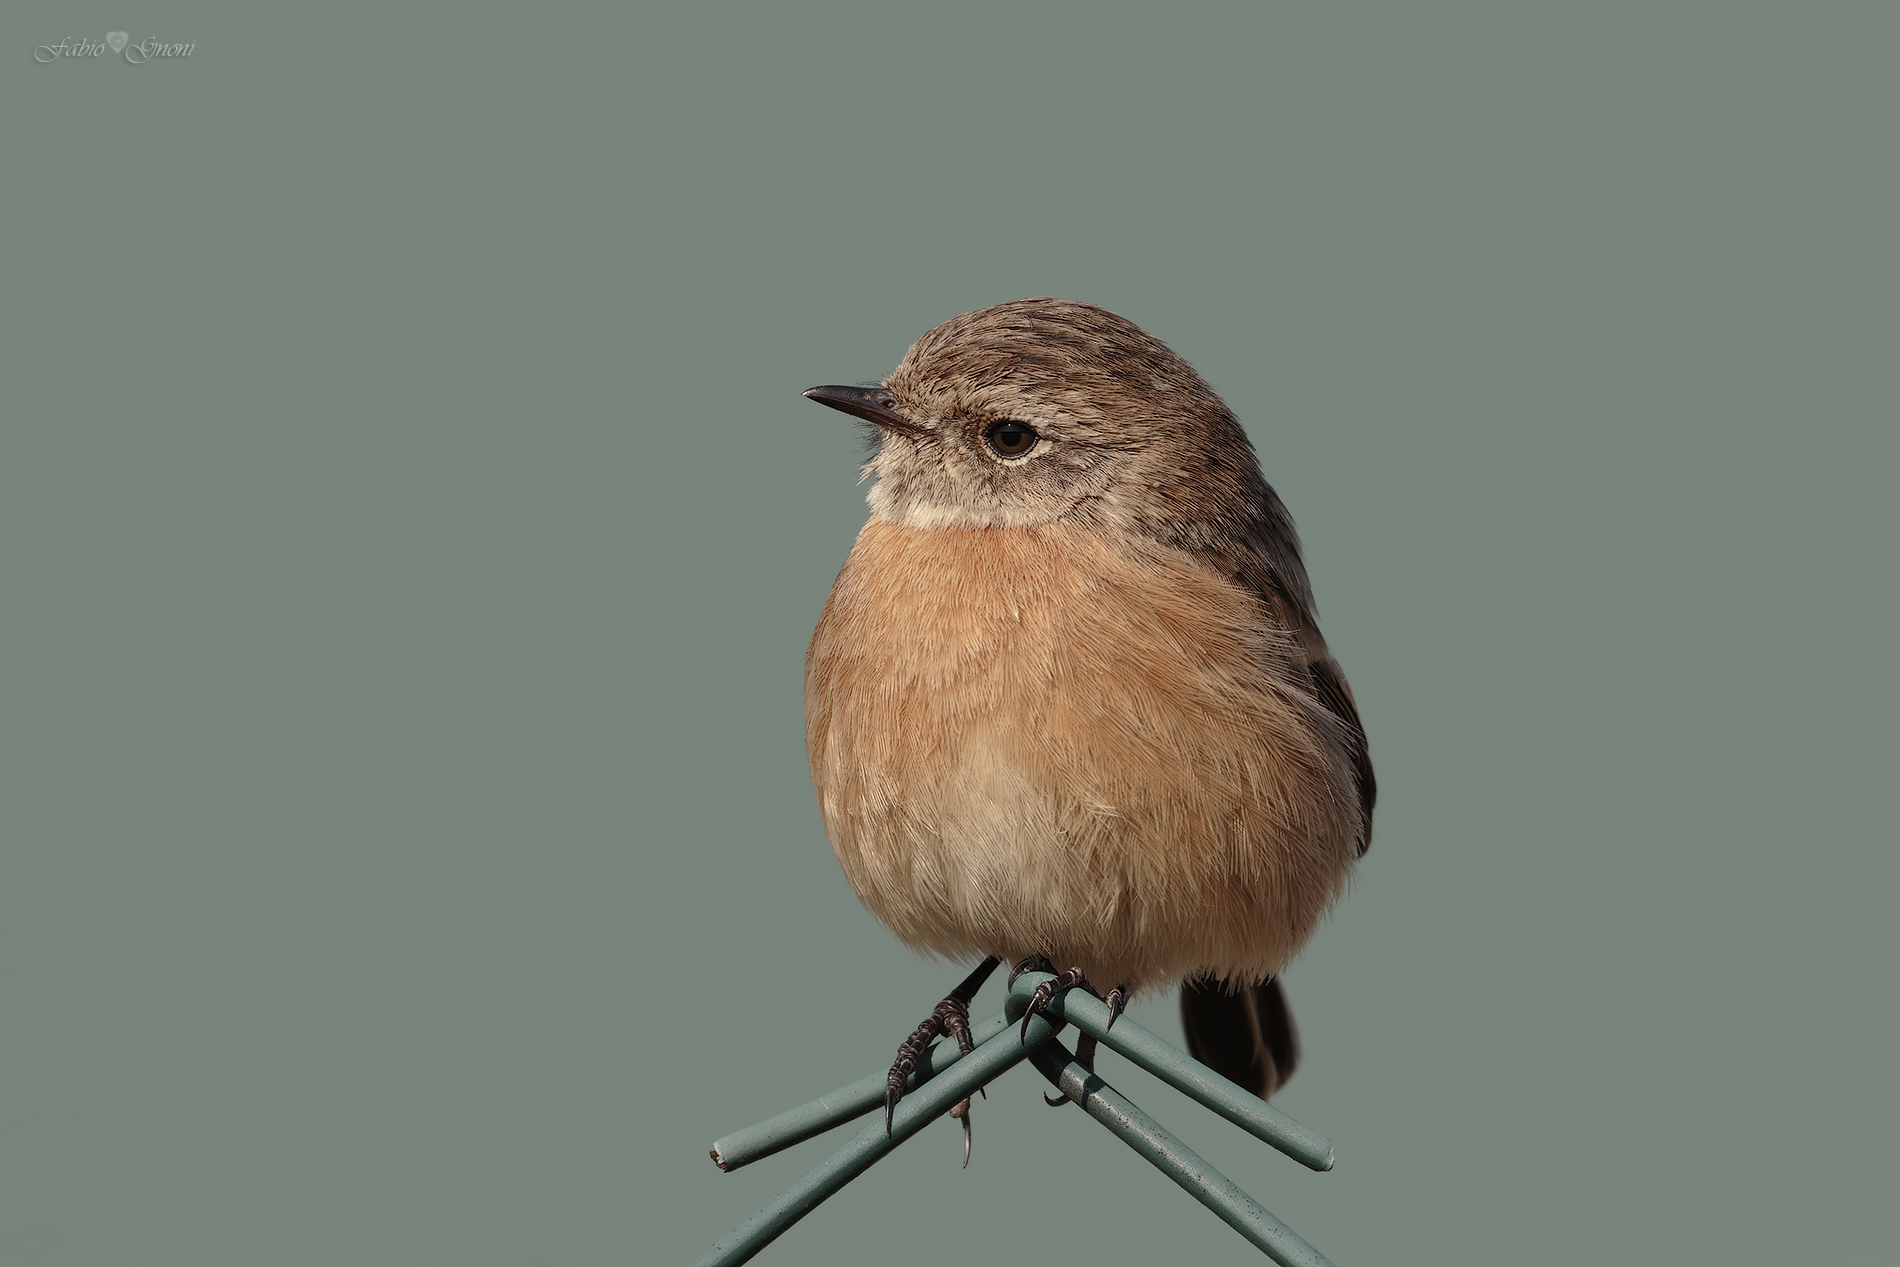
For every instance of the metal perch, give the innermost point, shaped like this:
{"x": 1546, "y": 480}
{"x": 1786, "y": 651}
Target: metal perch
{"x": 944, "y": 1077}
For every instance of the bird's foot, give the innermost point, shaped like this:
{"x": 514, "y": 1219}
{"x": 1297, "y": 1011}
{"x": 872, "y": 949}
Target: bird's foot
{"x": 1040, "y": 999}
{"x": 952, "y": 1017}
{"x": 1117, "y": 999}
{"x": 1047, "y": 990}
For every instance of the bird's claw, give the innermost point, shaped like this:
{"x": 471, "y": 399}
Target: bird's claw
{"x": 962, "y": 1113}
{"x": 1047, "y": 990}
{"x": 950, "y": 1017}
{"x": 1035, "y": 963}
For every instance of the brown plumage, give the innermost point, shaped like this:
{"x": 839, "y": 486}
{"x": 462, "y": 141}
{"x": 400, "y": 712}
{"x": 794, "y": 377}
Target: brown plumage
{"x": 1067, "y": 698}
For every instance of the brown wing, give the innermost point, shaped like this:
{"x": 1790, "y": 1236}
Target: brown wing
{"x": 1263, "y": 554}
{"x": 1330, "y": 682}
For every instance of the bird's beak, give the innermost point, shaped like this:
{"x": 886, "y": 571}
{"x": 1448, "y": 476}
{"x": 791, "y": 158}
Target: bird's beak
{"x": 873, "y": 404}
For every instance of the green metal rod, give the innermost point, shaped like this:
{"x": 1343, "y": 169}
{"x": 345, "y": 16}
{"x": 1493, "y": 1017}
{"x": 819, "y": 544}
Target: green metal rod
{"x": 1181, "y": 1071}
{"x": 1174, "y": 1159}
{"x": 856, "y": 1155}
{"x": 795, "y": 1126}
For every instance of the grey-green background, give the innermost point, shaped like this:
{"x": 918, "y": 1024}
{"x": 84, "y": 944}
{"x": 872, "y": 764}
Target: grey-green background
{"x": 411, "y": 530}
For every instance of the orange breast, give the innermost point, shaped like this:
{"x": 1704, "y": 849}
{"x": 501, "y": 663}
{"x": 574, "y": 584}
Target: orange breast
{"x": 1033, "y": 740}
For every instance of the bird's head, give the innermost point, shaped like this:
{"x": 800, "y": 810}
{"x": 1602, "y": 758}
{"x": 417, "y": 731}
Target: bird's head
{"x": 1043, "y": 410}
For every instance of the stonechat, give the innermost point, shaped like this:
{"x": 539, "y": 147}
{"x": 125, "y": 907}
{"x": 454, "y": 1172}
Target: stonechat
{"x": 1067, "y": 706}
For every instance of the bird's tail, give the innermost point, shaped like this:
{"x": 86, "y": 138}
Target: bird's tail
{"x": 1242, "y": 1032}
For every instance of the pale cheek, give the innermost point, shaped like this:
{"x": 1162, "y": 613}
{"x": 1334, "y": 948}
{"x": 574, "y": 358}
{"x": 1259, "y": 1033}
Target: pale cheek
{"x": 913, "y": 508}
{"x": 949, "y": 495}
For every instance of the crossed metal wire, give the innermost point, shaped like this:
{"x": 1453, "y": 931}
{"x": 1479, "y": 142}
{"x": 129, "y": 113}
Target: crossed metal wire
{"x": 944, "y": 1077}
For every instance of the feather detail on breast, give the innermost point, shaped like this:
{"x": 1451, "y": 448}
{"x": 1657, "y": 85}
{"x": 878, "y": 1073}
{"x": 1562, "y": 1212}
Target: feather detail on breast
{"x": 1036, "y": 740}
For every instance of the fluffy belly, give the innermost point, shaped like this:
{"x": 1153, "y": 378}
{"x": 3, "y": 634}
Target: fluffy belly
{"x": 1032, "y": 741}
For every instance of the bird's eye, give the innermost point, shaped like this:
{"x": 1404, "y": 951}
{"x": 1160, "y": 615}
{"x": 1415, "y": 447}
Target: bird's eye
{"x": 1011, "y": 439}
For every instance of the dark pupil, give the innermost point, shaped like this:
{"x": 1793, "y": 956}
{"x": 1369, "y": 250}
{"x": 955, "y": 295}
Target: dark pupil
{"x": 1011, "y": 439}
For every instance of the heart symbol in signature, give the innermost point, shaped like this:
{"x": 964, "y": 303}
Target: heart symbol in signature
{"x": 117, "y": 40}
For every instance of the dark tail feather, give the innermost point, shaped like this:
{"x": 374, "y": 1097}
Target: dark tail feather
{"x": 1245, "y": 1034}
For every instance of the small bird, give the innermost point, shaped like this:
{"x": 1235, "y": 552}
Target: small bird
{"x": 1067, "y": 706}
